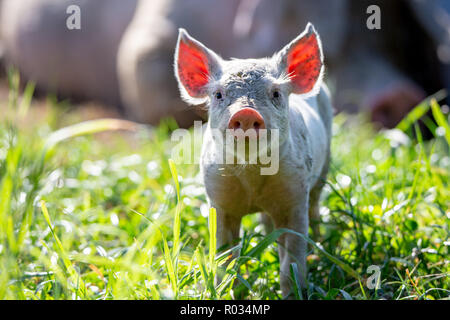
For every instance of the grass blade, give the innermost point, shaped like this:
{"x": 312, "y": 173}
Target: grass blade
{"x": 294, "y": 275}
{"x": 67, "y": 263}
{"x": 212, "y": 222}
{"x": 177, "y": 220}
{"x": 169, "y": 268}
{"x": 88, "y": 127}
{"x": 440, "y": 119}
{"x": 420, "y": 110}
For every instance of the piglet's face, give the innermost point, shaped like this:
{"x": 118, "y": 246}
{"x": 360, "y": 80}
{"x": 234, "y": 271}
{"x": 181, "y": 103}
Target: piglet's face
{"x": 251, "y": 94}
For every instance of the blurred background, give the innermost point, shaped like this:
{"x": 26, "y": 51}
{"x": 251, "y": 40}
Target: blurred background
{"x": 122, "y": 57}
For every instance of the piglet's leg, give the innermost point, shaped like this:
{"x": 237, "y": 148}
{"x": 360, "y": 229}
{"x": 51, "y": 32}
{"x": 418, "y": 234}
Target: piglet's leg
{"x": 228, "y": 226}
{"x": 292, "y": 248}
{"x": 266, "y": 220}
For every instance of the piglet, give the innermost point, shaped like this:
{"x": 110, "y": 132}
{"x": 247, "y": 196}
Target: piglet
{"x": 285, "y": 95}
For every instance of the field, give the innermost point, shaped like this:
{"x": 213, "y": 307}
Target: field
{"x": 97, "y": 211}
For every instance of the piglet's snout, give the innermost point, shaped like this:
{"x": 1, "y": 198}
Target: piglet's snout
{"x": 246, "y": 119}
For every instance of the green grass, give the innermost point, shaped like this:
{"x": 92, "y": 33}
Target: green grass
{"x": 88, "y": 215}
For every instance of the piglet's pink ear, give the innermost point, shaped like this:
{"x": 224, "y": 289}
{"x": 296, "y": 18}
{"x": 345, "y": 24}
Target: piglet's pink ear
{"x": 195, "y": 66}
{"x": 302, "y": 61}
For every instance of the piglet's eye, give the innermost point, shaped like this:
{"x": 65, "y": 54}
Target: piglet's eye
{"x": 276, "y": 94}
{"x": 218, "y": 95}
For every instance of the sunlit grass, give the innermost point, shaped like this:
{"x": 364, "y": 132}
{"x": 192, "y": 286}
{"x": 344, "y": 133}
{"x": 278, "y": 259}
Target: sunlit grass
{"x": 85, "y": 215}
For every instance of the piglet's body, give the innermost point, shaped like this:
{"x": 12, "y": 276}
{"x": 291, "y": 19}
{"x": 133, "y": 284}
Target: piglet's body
{"x": 283, "y": 93}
